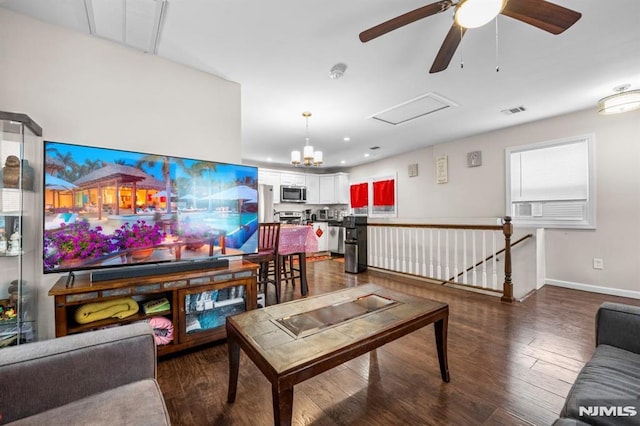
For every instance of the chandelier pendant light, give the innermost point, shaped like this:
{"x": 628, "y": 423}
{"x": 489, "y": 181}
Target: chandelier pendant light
{"x": 309, "y": 156}
{"x": 622, "y": 101}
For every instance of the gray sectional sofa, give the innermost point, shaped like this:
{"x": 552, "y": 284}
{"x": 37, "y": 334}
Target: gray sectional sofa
{"x": 607, "y": 389}
{"x": 105, "y": 377}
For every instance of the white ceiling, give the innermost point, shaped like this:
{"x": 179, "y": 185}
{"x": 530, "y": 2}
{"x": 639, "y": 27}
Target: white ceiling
{"x": 281, "y": 51}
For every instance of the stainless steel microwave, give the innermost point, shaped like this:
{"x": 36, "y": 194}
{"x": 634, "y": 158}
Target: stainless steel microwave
{"x": 293, "y": 194}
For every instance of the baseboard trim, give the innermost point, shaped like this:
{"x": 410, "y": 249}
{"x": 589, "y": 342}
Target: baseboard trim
{"x": 594, "y": 288}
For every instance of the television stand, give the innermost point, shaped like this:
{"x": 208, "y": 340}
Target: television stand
{"x": 199, "y": 301}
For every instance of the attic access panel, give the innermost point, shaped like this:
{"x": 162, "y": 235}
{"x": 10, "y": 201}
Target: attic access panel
{"x": 136, "y": 24}
{"x": 414, "y": 108}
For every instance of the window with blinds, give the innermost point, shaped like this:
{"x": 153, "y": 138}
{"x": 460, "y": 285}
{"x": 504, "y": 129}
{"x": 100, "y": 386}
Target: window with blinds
{"x": 551, "y": 184}
{"x": 375, "y": 197}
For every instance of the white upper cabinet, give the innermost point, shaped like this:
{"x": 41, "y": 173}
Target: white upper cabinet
{"x": 313, "y": 188}
{"x": 341, "y": 188}
{"x": 292, "y": 179}
{"x": 327, "y": 189}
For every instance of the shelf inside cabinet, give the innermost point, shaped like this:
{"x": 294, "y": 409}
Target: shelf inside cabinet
{"x": 74, "y": 327}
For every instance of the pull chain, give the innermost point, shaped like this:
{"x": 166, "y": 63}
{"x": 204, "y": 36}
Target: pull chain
{"x": 461, "y": 61}
{"x": 497, "y": 52}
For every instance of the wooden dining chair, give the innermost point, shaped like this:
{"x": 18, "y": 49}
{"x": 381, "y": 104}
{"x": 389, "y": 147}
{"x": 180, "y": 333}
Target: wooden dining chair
{"x": 267, "y": 257}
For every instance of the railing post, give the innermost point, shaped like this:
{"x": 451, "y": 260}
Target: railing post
{"x": 507, "y": 287}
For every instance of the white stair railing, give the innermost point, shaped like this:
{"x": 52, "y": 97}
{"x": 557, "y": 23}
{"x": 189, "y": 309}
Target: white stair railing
{"x": 456, "y": 254}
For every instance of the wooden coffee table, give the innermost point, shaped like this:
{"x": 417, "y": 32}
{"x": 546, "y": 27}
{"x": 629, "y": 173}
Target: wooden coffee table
{"x": 292, "y": 342}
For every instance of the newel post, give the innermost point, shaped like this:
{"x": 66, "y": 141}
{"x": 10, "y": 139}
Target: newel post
{"x": 507, "y": 287}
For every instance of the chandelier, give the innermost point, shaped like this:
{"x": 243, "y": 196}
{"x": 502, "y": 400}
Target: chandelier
{"x": 309, "y": 156}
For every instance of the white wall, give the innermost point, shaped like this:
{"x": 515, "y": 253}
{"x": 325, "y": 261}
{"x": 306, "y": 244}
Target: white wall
{"x": 89, "y": 91}
{"x": 479, "y": 192}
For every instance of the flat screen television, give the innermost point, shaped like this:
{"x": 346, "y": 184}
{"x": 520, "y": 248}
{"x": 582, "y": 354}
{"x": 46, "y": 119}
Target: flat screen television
{"x": 109, "y": 208}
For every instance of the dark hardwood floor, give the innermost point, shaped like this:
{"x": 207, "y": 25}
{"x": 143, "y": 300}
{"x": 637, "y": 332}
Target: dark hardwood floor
{"x": 509, "y": 365}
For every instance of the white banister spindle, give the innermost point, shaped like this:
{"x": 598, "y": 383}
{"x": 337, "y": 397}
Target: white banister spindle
{"x": 376, "y": 247}
{"x": 392, "y": 244}
{"x": 424, "y": 253}
{"x": 417, "y": 258}
{"x": 387, "y": 245}
{"x": 397, "y": 260}
{"x": 455, "y": 255}
{"x": 439, "y": 257}
{"x": 494, "y": 274}
{"x": 474, "y": 273}
{"x": 369, "y": 232}
{"x": 464, "y": 257}
{"x": 447, "y": 270}
{"x": 484, "y": 259}
{"x": 431, "y": 253}
{"x": 404, "y": 250}
{"x": 381, "y": 247}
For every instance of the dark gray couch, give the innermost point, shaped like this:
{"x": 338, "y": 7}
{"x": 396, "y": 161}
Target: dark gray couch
{"x": 104, "y": 377}
{"x": 608, "y": 386}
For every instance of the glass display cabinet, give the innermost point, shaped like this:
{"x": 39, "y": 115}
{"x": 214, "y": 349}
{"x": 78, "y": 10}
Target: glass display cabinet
{"x": 19, "y": 222}
{"x": 208, "y": 310}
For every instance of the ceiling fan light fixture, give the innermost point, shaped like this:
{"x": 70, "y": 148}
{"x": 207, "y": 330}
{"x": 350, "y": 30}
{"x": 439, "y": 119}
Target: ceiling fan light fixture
{"x": 622, "y": 101}
{"x": 476, "y": 13}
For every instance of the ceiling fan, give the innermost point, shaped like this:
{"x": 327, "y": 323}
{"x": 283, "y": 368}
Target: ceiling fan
{"x": 475, "y": 13}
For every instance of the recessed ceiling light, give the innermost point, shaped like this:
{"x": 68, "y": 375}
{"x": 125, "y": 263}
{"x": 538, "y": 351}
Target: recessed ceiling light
{"x": 343, "y": 162}
{"x": 367, "y": 154}
{"x": 346, "y": 139}
{"x": 269, "y": 159}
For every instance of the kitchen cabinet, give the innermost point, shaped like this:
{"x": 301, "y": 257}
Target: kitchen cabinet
{"x": 341, "y": 182}
{"x": 19, "y": 222}
{"x": 334, "y": 188}
{"x": 321, "y": 231}
{"x": 313, "y": 188}
{"x": 327, "y": 189}
{"x": 292, "y": 179}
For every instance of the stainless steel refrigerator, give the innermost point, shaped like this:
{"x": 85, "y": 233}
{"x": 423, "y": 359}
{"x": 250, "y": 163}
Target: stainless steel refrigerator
{"x": 265, "y": 203}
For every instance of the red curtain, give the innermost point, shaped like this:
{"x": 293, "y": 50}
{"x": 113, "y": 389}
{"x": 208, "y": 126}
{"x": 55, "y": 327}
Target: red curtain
{"x": 384, "y": 193}
{"x": 359, "y": 195}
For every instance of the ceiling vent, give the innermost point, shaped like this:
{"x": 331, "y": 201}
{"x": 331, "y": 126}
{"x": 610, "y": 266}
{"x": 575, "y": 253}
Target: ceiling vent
{"x": 414, "y": 108}
{"x": 514, "y": 110}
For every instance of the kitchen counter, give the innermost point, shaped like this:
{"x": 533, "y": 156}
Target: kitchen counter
{"x": 331, "y": 222}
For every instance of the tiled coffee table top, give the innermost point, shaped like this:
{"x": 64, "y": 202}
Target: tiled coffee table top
{"x": 291, "y": 334}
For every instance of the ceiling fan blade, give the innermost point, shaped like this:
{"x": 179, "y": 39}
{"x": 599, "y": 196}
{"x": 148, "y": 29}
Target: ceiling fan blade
{"x": 448, "y": 48}
{"x": 405, "y": 19}
{"x": 542, "y": 14}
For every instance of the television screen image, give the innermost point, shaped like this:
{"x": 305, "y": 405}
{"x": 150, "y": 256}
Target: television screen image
{"x": 113, "y": 208}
